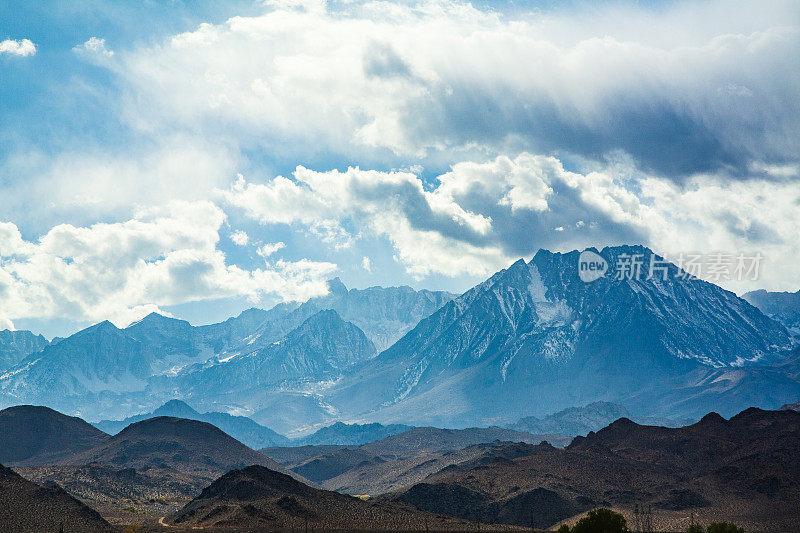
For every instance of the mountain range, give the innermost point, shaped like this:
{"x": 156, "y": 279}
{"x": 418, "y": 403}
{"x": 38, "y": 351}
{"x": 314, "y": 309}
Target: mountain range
{"x": 781, "y": 306}
{"x": 530, "y": 340}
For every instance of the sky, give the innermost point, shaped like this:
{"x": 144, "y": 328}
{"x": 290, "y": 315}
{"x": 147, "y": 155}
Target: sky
{"x": 199, "y": 158}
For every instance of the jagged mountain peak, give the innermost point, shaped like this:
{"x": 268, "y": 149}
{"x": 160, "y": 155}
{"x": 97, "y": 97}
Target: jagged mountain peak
{"x": 335, "y": 286}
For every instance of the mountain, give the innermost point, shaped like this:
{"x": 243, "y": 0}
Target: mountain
{"x": 581, "y": 420}
{"x": 791, "y": 406}
{"x": 715, "y": 469}
{"x": 414, "y": 443}
{"x": 167, "y": 444}
{"x": 535, "y": 338}
{"x": 240, "y": 428}
{"x": 320, "y": 349}
{"x": 16, "y": 345}
{"x": 781, "y": 306}
{"x": 350, "y": 434}
{"x": 379, "y": 475}
{"x": 29, "y": 507}
{"x": 257, "y": 498}
{"x": 36, "y": 435}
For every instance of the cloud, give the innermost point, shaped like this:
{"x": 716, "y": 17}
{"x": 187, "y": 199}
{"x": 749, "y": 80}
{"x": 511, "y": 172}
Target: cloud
{"x": 366, "y": 263}
{"x": 122, "y": 271}
{"x": 481, "y": 216}
{"x": 240, "y": 238}
{"x": 94, "y": 50}
{"x": 22, "y": 47}
{"x": 434, "y": 79}
{"x": 270, "y": 248}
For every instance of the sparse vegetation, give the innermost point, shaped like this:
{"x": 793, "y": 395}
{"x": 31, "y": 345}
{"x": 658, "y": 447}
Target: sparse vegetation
{"x": 598, "y": 521}
{"x": 695, "y": 528}
{"x": 723, "y": 527}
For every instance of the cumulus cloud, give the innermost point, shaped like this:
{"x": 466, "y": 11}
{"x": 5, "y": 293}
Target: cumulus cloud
{"x": 270, "y": 248}
{"x": 434, "y": 78}
{"x": 240, "y": 238}
{"x": 122, "y": 271}
{"x": 481, "y": 216}
{"x": 22, "y": 47}
{"x": 95, "y": 51}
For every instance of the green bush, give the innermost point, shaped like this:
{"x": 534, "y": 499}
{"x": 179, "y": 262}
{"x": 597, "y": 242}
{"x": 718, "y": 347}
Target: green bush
{"x": 695, "y": 528}
{"x": 601, "y": 521}
{"x": 563, "y": 529}
{"x": 723, "y": 527}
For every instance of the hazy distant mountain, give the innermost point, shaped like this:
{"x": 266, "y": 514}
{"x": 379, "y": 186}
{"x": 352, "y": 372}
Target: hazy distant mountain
{"x": 319, "y": 349}
{"x": 581, "y": 420}
{"x": 29, "y": 507}
{"x": 240, "y": 428}
{"x": 781, "y": 306}
{"x": 256, "y": 498}
{"x": 105, "y": 371}
{"x": 534, "y": 337}
{"x": 350, "y": 434}
{"x": 33, "y": 435}
{"x": 16, "y": 345}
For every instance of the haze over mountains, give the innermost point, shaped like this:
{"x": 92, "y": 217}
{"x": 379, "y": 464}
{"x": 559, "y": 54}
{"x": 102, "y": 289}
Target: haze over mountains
{"x": 529, "y": 341}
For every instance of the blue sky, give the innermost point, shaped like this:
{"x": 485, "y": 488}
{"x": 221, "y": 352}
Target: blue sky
{"x": 197, "y": 158}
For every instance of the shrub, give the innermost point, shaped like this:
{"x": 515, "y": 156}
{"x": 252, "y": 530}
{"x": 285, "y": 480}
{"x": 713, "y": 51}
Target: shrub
{"x": 723, "y": 527}
{"x": 602, "y": 521}
{"x": 563, "y": 529}
{"x": 695, "y": 528}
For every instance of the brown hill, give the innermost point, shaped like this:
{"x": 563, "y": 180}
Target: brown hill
{"x": 34, "y": 435}
{"x": 175, "y": 446}
{"x": 260, "y": 499}
{"x": 26, "y": 507}
{"x": 745, "y": 469}
{"x": 414, "y": 443}
{"x": 378, "y": 476}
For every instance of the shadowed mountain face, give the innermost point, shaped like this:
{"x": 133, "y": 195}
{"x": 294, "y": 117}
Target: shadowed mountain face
{"x": 261, "y": 499}
{"x": 33, "y": 435}
{"x": 16, "y": 345}
{"x": 27, "y": 507}
{"x": 173, "y": 445}
{"x": 535, "y": 336}
{"x": 240, "y": 428}
{"x": 781, "y": 306}
{"x": 715, "y": 468}
{"x": 414, "y": 443}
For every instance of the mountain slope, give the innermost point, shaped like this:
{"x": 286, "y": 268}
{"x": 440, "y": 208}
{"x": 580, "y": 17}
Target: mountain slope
{"x": 535, "y": 338}
{"x": 33, "y": 435}
{"x": 173, "y": 445}
{"x": 256, "y": 498}
{"x": 240, "y": 428}
{"x": 28, "y": 507}
{"x": 743, "y": 470}
{"x": 16, "y": 345}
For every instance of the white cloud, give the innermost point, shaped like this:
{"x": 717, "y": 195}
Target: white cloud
{"x": 95, "y": 51}
{"x": 441, "y": 77}
{"x": 240, "y": 238}
{"x": 122, "y": 271}
{"x": 270, "y": 248}
{"x": 366, "y": 263}
{"x": 483, "y": 215}
{"x": 22, "y": 47}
